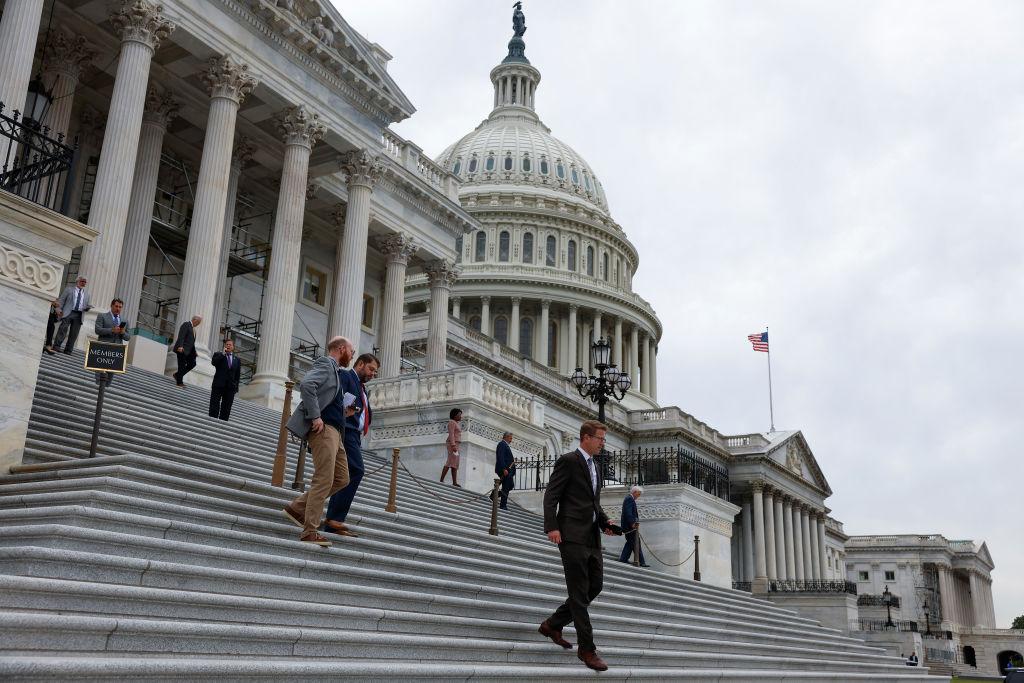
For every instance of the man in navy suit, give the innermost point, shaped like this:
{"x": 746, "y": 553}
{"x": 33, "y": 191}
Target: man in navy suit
{"x": 357, "y": 425}
{"x": 227, "y": 374}
{"x": 505, "y": 467}
{"x": 631, "y": 522}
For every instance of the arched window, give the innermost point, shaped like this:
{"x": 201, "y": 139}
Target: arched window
{"x": 472, "y": 164}
{"x": 552, "y": 344}
{"x": 575, "y": 176}
{"x": 552, "y": 247}
{"x": 586, "y": 180}
{"x": 457, "y": 167}
{"x": 526, "y": 337}
{"x": 560, "y": 170}
{"x": 481, "y": 247}
{"x": 527, "y": 247}
{"x": 489, "y": 164}
{"x": 605, "y": 264}
{"x": 503, "y": 240}
{"x": 572, "y": 254}
{"x": 544, "y": 170}
{"x": 501, "y": 329}
{"x": 458, "y": 249}
{"x": 526, "y": 164}
{"x": 474, "y": 322}
{"x": 590, "y": 261}
{"x": 508, "y": 163}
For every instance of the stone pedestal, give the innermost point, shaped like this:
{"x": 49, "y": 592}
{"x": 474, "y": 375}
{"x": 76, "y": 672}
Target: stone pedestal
{"x": 35, "y": 245}
{"x": 833, "y": 610}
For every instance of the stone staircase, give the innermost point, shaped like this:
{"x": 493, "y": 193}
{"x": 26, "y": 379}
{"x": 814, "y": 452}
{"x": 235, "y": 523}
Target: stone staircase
{"x": 167, "y": 558}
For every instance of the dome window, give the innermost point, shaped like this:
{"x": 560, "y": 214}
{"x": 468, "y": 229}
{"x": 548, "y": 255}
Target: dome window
{"x": 575, "y": 177}
{"x": 489, "y": 164}
{"x": 474, "y": 322}
{"x": 560, "y": 171}
{"x": 503, "y": 242}
{"x": 457, "y": 167}
{"x": 481, "y": 247}
{"x": 551, "y": 249}
{"x": 590, "y": 261}
{"x": 458, "y": 249}
{"x": 526, "y": 164}
{"x": 526, "y": 336}
{"x": 552, "y": 344}
{"x": 527, "y": 247}
{"x": 586, "y": 181}
{"x": 544, "y": 170}
{"x": 605, "y": 264}
{"x": 508, "y": 163}
{"x": 472, "y": 165}
{"x": 572, "y": 255}
{"x": 501, "y": 329}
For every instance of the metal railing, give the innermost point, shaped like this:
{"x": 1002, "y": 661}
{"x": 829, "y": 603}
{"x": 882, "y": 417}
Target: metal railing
{"x": 874, "y": 600}
{"x": 34, "y": 165}
{"x": 883, "y": 625}
{"x": 812, "y": 586}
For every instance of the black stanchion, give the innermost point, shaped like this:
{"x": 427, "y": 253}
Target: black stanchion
{"x": 103, "y": 379}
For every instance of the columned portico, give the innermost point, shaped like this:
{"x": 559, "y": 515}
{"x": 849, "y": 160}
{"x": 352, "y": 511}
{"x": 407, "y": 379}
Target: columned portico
{"x": 362, "y": 171}
{"x": 19, "y": 30}
{"x": 812, "y": 527}
{"x": 396, "y": 249}
{"x": 748, "y": 541}
{"x": 485, "y": 315}
{"x": 301, "y": 130}
{"x": 780, "y": 539}
{"x": 572, "y": 362}
{"x": 787, "y": 521}
{"x": 822, "y": 560}
{"x": 513, "y": 327}
{"x": 805, "y": 543}
{"x": 653, "y": 384}
{"x": 540, "y": 353}
{"x": 229, "y": 82}
{"x": 798, "y": 543}
{"x": 161, "y": 108}
{"x": 760, "y": 564}
{"x": 442, "y": 275}
{"x": 617, "y": 346}
{"x": 769, "y": 533}
{"x": 645, "y": 375}
{"x": 142, "y": 27}
{"x": 634, "y": 352}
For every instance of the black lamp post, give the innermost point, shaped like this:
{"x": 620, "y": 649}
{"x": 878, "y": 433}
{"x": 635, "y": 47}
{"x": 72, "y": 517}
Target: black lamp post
{"x": 887, "y": 598}
{"x": 927, "y": 620}
{"x": 609, "y": 382}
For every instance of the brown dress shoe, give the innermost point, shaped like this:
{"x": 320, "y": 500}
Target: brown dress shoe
{"x": 294, "y": 517}
{"x": 554, "y": 634}
{"x": 590, "y": 658}
{"x": 339, "y": 528}
{"x": 317, "y": 539}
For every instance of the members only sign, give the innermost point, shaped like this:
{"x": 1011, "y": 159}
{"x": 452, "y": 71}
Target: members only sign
{"x": 105, "y": 357}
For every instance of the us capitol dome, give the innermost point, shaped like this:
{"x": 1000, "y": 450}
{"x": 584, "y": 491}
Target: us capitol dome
{"x": 551, "y": 270}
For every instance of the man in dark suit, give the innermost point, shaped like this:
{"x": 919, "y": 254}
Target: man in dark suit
{"x": 110, "y": 327}
{"x": 51, "y": 326}
{"x": 573, "y": 519}
{"x": 185, "y": 348}
{"x": 505, "y": 467}
{"x": 227, "y": 374}
{"x": 631, "y": 523}
{"x": 357, "y": 426}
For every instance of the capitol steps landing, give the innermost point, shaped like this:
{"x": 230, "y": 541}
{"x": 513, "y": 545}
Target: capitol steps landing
{"x": 167, "y": 558}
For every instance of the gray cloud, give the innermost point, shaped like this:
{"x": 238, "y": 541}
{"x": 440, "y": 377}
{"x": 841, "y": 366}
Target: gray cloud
{"x": 848, "y": 174}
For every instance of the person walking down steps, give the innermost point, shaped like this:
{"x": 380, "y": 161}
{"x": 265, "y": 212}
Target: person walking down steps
{"x": 452, "y": 444}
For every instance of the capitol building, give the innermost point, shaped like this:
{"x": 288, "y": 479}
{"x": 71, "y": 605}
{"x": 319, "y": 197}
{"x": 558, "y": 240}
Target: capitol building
{"x": 233, "y": 159}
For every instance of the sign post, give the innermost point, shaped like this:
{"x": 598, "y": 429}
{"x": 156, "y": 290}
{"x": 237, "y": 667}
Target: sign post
{"x": 106, "y": 360}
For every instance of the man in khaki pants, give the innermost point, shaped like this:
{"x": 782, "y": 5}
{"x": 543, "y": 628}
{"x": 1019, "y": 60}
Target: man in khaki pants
{"x": 320, "y": 419}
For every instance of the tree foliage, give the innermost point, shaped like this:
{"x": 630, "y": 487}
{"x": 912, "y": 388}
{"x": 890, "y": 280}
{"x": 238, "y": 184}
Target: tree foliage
{"x": 1018, "y": 623}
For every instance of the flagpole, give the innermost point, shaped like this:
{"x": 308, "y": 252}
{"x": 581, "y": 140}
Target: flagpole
{"x": 771, "y": 407}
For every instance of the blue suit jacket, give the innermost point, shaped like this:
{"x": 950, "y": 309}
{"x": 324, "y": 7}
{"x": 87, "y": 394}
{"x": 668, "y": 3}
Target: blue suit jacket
{"x": 350, "y": 383}
{"x": 503, "y": 460}
{"x": 630, "y": 515}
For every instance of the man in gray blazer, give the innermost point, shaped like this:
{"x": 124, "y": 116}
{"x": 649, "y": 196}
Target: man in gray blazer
{"x": 72, "y": 305}
{"x": 320, "y": 419}
{"x": 109, "y": 326}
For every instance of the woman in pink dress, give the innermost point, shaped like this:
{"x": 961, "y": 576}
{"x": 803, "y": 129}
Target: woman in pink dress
{"x": 452, "y": 443}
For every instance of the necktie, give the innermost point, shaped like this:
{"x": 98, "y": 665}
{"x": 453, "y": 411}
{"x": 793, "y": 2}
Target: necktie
{"x": 593, "y": 479}
{"x": 364, "y": 415}
{"x": 78, "y": 300}
{"x": 229, "y": 360}
{"x": 117, "y": 321}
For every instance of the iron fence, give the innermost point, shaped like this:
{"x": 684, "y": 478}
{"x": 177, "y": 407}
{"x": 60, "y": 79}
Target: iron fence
{"x": 644, "y": 466}
{"x": 871, "y": 600}
{"x": 883, "y": 625}
{"x": 741, "y": 586}
{"x": 34, "y": 165}
{"x": 812, "y": 586}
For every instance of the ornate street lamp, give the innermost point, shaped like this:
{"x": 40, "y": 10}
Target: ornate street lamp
{"x": 887, "y": 599}
{"x": 609, "y": 382}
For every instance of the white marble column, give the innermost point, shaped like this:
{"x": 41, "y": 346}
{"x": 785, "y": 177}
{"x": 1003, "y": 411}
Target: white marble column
{"x": 300, "y": 129}
{"x": 240, "y": 156}
{"x": 780, "y": 538}
{"x": 945, "y": 595}
{"x": 976, "y": 600}
{"x": 634, "y": 356}
{"x": 822, "y": 559}
{"x": 654, "y": 368}
{"x": 485, "y": 315}
{"x": 787, "y": 525}
{"x": 760, "y": 563}
{"x": 540, "y": 352}
{"x": 812, "y": 528}
{"x": 645, "y": 372}
{"x": 142, "y": 27}
{"x": 746, "y": 519}
{"x": 362, "y": 170}
{"x": 397, "y": 249}
{"x": 90, "y": 138}
{"x": 598, "y": 328}
{"x": 798, "y": 544}
{"x": 19, "y": 30}
{"x": 617, "y": 346}
{"x": 66, "y": 57}
{"x": 441, "y": 275}
{"x": 769, "y": 534}
{"x": 457, "y": 308}
{"x": 805, "y": 543}
{"x": 571, "y": 360}
{"x": 229, "y": 82}
{"x": 513, "y": 326}
{"x": 161, "y": 108}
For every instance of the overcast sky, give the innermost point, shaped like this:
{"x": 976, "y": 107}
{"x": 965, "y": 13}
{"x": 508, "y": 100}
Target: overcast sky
{"x": 847, "y": 174}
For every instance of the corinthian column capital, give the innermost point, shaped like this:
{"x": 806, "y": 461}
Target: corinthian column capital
{"x": 228, "y": 78}
{"x": 141, "y": 22}
{"x": 397, "y": 248}
{"x": 361, "y": 167}
{"x": 299, "y": 126}
{"x": 161, "y": 107}
{"x": 442, "y": 273}
{"x": 242, "y": 152}
{"x": 67, "y": 54}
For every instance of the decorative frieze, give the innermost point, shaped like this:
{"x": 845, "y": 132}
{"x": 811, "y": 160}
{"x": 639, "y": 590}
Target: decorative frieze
{"x": 30, "y": 271}
{"x": 141, "y": 22}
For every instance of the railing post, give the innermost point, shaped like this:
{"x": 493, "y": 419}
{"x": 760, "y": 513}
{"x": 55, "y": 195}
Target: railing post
{"x": 696, "y": 558}
{"x": 277, "y": 476}
{"x": 298, "y": 483}
{"x": 493, "y": 531}
{"x": 393, "y": 488}
{"x": 636, "y": 547}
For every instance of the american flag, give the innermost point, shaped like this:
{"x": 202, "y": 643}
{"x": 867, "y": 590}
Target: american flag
{"x": 759, "y": 340}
